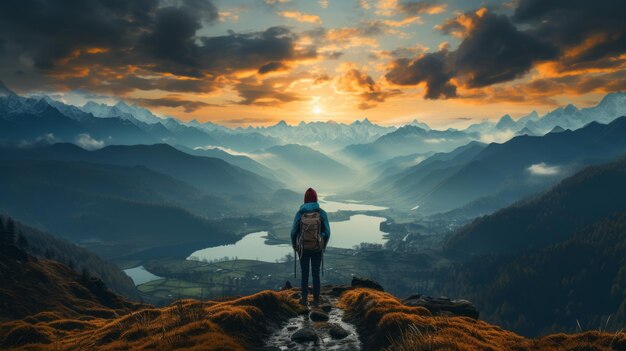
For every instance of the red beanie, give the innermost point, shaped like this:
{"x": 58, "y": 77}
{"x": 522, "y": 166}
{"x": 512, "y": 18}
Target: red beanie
{"x": 310, "y": 195}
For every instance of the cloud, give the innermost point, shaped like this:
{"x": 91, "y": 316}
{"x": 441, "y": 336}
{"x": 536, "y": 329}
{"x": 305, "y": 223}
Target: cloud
{"x": 351, "y": 81}
{"x": 274, "y": 2}
{"x": 542, "y": 169}
{"x": 173, "y": 100}
{"x": 497, "y": 137}
{"x": 117, "y": 47}
{"x": 273, "y": 67}
{"x": 268, "y": 92}
{"x": 301, "y": 17}
{"x": 587, "y": 32}
{"x": 88, "y": 143}
{"x": 433, "y": 69}
{"x": 422, "y": 7}
{"x": 493, "y": 51}
{"x": 250, "y": 120}
{"x": 408, "y": 8}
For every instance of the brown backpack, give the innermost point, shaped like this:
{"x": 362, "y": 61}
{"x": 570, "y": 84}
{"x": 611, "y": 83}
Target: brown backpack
{"x": 310, "y": 228}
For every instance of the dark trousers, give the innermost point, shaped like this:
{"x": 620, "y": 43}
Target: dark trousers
{"x": 311, "y": 259}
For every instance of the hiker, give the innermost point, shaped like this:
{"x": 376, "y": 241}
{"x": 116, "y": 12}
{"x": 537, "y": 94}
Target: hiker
{"x": 309, "y": 236}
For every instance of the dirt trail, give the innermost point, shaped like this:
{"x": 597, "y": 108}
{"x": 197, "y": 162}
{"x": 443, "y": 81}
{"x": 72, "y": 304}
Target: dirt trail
{"x": 302, "y": 333}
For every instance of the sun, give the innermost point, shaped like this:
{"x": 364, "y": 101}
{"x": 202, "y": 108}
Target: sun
{"x": 317, "y": 110}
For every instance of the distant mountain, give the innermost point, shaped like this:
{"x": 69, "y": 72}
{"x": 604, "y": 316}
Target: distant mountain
{"x": 505, "y": 123}
{"x": 588, "y": 196}
{"x": 395, "y": 165}
{"x": 402, "y": 188}
{"x": 612, "y": 106}
{"x": 27, "y": 120}
{"x": 304, "y": 166}
{"x": 44, "y": 245}
{"x": 419, "y": 124}
{"x": 405, "y": 141}
{"x": 212, "y": 175}
{"x": 239, "y": 160}
{"x": 114, "y": 211}
{"x": 325, "y": 136}
{"x": 525, "y": 164}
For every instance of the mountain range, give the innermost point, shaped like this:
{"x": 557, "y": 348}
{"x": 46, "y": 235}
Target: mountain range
{"x": 510, "y": 171}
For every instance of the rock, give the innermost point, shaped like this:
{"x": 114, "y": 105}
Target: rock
{"x": 318, "y": 316}
{"x": 292, "y": 328}
{"x": 366, "y": 283}
{"x": 326, "y": 308}
{"x": 443, "y": 306}
{"x": 304, "y": 335}
{"x": 338, "y": 332}
{"x": 287, "y": 286}
{"x": 338, "y": 290}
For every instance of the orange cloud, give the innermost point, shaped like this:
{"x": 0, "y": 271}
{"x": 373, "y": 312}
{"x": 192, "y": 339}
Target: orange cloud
{"x": 358, "y": 84}
{"x": 301, "y": 17}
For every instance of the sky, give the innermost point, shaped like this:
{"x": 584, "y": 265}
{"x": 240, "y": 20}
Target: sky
{"x": 444, "y": 62}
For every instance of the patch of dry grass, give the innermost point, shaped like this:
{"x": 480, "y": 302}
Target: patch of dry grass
{"x": 237, "y": 324}
{"x": 386, "y": 323}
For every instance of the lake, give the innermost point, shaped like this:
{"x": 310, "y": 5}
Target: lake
{"x": 344, "y": 234}
{"x": 349, "y": 205}
{"x": 140, "y": 275}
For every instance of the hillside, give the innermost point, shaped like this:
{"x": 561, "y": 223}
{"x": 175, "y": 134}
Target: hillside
{"x": 514, "y": 169}
{"x": 211, "y": 175}
{"x": 591, "y": 194}
{"x": 96, "y": 320}
{"x": 404, "y": 141}
{"x": 581, "y": 280}
{"x": 44, "y": 245}
{"x": 304, "y": 166}
{"x": 112, "y": 210}
{"x": 44, "y": 289}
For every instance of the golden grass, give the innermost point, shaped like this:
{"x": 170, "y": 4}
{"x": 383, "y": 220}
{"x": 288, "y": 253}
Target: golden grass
{"x": 386, "y": 323}
{"x": 238, "y": 324}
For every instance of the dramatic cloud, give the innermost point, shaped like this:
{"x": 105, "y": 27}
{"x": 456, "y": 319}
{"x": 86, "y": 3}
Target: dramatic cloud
{"x": 493, "y": 51}
{"x": 588, "y": 33}
{"x": 269, "y": 92}
{"x": 121, "y": 46}
{"x": 173, "y": 101}
{"x": 434, "y": 69}
{"x": 354, "y": 82}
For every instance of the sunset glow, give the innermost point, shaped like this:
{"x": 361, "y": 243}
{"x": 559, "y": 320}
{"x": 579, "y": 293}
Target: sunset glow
{"x": 242, "y": 62}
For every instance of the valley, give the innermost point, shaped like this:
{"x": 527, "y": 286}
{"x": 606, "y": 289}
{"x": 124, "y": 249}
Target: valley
{"x": 207, "y": 215}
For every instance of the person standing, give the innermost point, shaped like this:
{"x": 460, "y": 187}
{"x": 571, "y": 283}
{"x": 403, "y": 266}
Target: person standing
{"x": 310, "y": 233}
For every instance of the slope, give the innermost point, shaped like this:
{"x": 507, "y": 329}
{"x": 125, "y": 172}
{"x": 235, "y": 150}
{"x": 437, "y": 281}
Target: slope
{"x": 44, "y": 245}
{"x": 577, "y": 283}
{"x": 580, "y": 200}
{"x": 112, "y": 210}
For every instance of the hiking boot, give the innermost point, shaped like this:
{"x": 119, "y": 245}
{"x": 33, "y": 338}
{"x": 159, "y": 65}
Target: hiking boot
{"x": 316, "y": 303}
{"x": 304, "y": 302}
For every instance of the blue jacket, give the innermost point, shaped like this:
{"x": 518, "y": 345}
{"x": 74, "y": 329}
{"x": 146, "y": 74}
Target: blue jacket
{"x": 310, "y": 207}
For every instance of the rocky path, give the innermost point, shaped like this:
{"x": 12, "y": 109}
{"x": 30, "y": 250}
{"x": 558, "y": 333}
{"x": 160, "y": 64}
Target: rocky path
{"x": 320, "y": 328}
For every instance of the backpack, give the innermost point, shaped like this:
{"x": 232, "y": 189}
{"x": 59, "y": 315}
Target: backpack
{"x": 310, "y": 228}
